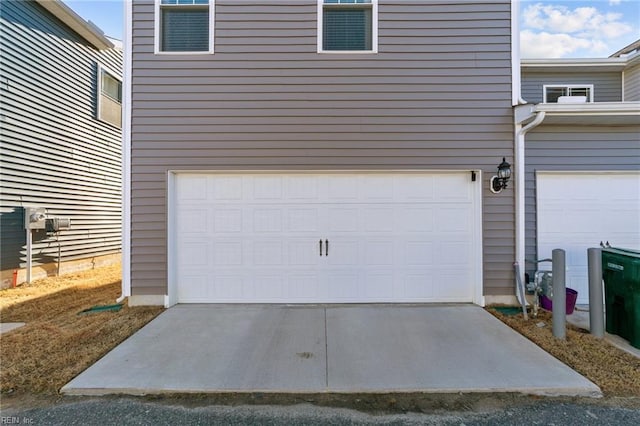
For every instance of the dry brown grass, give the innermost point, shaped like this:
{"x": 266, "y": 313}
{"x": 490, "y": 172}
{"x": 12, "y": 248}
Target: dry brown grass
{"x": 616, "y": 372}
{"x": 57, "y": 343}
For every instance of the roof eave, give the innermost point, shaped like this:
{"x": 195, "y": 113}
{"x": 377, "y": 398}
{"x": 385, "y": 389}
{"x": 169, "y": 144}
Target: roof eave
{"x": 83, "y": 28}
{"x": 598, "y": 113}
{"x": 591, "y": 108}
{"x": 609, "y": 63}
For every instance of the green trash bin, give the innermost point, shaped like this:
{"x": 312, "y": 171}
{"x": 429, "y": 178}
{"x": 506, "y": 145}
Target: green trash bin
{"x": 621, "y": 273}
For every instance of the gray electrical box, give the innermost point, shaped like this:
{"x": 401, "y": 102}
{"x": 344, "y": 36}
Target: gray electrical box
{"x": 34, "y": 218}
{"x": 57, "y": 224}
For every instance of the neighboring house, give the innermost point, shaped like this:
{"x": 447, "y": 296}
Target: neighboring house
{"x": 582, "y": 155}
{"x": 274, "y": 157}
{"x": 61, "y": 96}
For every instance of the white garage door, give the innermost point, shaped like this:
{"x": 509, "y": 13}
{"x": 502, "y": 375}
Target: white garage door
{"x": 578, "y": 211}
{"x": 326, "y": 238}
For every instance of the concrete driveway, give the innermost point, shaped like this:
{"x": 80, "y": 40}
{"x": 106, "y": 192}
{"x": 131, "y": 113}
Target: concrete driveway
{"x": 337, "y": 348}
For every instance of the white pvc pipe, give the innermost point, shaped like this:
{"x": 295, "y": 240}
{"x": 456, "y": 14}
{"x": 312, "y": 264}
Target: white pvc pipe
{"x": 28, "y": 256}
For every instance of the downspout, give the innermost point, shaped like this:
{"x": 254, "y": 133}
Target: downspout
{"x": 519, "y": 189}
{"x": 126, "y": 152}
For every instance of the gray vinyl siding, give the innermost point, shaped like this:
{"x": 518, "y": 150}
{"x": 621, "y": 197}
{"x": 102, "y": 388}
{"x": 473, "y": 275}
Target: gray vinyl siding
{"x": 55, "y": 153}
{"x": 567, "y": 148}
{"x": 632, "y": 84}
{"x": 607, "y": 86}
{"x": 436, "y": 96}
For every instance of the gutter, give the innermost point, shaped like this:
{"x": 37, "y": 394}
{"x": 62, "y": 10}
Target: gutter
{"x": 520, "y": 181}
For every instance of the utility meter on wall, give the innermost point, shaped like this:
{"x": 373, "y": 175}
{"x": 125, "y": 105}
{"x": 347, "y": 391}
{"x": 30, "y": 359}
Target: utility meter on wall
{"x": 34, "y": 218}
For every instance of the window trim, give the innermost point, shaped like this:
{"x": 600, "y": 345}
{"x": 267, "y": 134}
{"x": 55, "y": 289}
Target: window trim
{"x": 567, "y": 86}
{"x": 374, "y": 30}
{"x": 103, "y": 69}
{"x": 157, "y": 35}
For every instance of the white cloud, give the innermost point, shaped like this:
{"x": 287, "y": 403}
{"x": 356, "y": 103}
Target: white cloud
{"x": 555, "y": 31}
{"x": 614, "y": 2}
{"x": 582, "y": 20}
{"x": 559, "y": 45}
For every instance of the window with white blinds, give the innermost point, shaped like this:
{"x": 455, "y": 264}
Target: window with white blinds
{"x": 185, "y": 25}
{"x": 347, "y": 25}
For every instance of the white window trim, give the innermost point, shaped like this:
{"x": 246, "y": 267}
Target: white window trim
{"x": 374, "y": 31}
{"x": 101, "y": 69}
{"x": 156, "y": 46}
{"x": 569, "y": 86}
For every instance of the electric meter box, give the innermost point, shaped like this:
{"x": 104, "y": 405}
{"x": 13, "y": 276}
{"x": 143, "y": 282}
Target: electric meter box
{"x": 34, "y": 218}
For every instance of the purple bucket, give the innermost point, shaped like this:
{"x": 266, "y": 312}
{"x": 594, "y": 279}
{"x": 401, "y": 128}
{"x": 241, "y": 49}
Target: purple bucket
{"x": 572, "y": 296}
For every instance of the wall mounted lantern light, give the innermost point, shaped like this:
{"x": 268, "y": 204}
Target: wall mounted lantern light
{"x": 499, "y": 182}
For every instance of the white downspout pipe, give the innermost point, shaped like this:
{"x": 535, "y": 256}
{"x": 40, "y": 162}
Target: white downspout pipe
{"x": 520, "y": 189}
{"x": 126, "y": 152}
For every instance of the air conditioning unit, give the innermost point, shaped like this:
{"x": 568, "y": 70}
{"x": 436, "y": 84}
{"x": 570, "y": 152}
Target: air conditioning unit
{"x": 572, "y": 100}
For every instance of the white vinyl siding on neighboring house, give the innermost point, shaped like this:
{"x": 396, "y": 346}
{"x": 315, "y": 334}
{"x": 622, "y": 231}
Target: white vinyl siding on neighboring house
{"x": 109, "y": 98}
{"x": 348, "y": 26}
{"x": 184, "y": 26}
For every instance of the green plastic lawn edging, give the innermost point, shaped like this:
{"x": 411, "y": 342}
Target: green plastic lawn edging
{"x": 103, "y": 308}
{"x": 508, "y": 310}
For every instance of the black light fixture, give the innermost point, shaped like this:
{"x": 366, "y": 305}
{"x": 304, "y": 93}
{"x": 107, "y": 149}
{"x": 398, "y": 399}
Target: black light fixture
{"x": 499, "y": 182}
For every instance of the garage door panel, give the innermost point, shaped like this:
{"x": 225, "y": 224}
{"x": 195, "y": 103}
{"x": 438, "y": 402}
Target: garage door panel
{"x": 453, "y": 219}
{"x": 192, "y": 221}
{"x": 419, "y": 252}
{"x": 302, "y": 188}
{"x": 267, "y": 220}
{"x": 341, "y": 189}
{"x": 193, "y": 189}
{"x": 342, "y": 286}
{"x": 376, "y": 285}
{"x": 302, "y": 220}
{"x": 343, "y": 219}
{"x": 303, "y": 252}
{"x": 226, "y": 188}
{"x": 378, "y": 252}
{"x": 227, "y": 252}
{"x": 391, "y": 239}
{"x": 416, "y": 219}
{"x": 453, "y": 253}
{"x": 268, "y": 252}
{"x": 418, "y": 285}
{"x": 194, "y": 253}
{"x": 379, "y": 219}
{"x": 303, "y": 287}
{"x": 223, "y": 221}
{"x": 342, "y": 251}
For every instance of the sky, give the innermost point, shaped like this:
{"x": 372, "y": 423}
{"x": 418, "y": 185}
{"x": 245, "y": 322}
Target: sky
{"x": 549, "y": 28}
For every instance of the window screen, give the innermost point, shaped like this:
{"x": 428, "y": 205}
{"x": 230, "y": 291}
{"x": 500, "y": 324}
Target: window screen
{"x": 109, "y": 98}
{"x": 347, "y": 25}
{"x": 184, "y": 25}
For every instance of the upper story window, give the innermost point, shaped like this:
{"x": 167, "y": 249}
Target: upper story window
{"x": 184, "y": 26}
{"x": 109, "y": 98}
{"x": 348, "y": 26}
{"x": 569, "y": 93}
